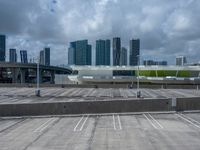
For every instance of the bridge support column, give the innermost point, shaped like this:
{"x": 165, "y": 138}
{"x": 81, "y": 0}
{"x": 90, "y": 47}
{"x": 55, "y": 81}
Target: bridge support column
{"x": 15, "y": 73}
{"x": 52, "y": 80}
{"x": 22, "y": 76}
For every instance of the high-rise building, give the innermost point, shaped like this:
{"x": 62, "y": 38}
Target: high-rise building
{"x": 123, "y": 56}
{"x": 71, "y": 53}
{"x": 107, "y": 53}
{"x": 134, "y": 52}
{"x": 100, "y": 52}
{"x": 2, "y": 47}
{"x": 152, "y": 62}
{"x": 80, "y": 53}
{"x": 23, "y": 55}
{"x": 116, "y": 51}
{"x": 45, "y": 56}
{"x": 12, "y": 56}
{"x": 103, "y": 52}
{"x": 181, "y": 60}
{"x": 161, "y": 63}
{"x": 42, "y": 57}
{"x": 89, "y": 54}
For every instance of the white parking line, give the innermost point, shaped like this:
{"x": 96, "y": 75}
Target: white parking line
{"x": 83, "y": 124}
{"x": 156, "y": 121}
{"x": 114, "y": 122}
{"x": 150, "y": 121}
{"x": 190, "y": 119}
{"x": 120, "y": 125}
{"x": 80, "y": 125}
{"x": 187, "y": 120}
{"x": 45, "y": 125}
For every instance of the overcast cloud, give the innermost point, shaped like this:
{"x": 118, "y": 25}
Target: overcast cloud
{"x": 167, "y": 28}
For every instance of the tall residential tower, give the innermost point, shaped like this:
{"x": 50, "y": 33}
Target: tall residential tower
{"x": 12, "y": 56}
{"x": 123, "y": 56}
{"x": 80, "y": 53}
{"x": 116, "y": 51}
{"x": 103, "y": 52}
{"x": 45, "y": 56}
{"x": 2, "y": 47}
{"x": 23, "y": 55}
{"x": 134, "y": 52}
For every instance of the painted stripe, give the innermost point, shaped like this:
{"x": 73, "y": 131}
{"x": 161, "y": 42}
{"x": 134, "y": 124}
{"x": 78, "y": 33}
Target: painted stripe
{"x": 45, "y": 125}
{"x": 191, "y": 119}
{"x": 155, "y": 121}
{"x": 188, "y": 121}
{"x": 119, "y": 121}
{"x": 75, "y": 128}
{"x": 150, "y": 121}
{"x": 83, "y": 124}
{"x": 114, "y": 122}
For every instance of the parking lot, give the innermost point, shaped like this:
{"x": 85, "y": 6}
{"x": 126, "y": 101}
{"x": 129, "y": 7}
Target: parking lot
{"x": 144, "y": 131}
{"x": 27, "y": 95}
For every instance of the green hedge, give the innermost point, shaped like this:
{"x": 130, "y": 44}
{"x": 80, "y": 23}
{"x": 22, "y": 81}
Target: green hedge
{"x": 164, "y": 73}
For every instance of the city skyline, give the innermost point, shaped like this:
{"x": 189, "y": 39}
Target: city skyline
{"x": 103, "y": 54}
{"x": 166, "y": 29}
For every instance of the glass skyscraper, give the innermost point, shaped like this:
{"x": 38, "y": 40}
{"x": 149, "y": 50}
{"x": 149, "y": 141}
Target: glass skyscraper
{"x": 123, "y": 56}
{"x": 134, "y": 52}
{"x": 103, "y": 52}
{"x": 181, "y": 60}
{"x": 116, "y": 51}
{"x": 42, "y": 57}
{"x": 45, "y": 56}
{"x": 12, "y": 56}
{"x": 80, "y": 53}
{"x": 2, "y": 47}
{"x": 23, "y": 55}
{"x": 107, "y": 53}
{"x": 71, "y": 53}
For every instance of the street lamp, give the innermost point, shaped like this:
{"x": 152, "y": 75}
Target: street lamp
{"x": 138, "y": 80}
{"x": 37, "y": 91}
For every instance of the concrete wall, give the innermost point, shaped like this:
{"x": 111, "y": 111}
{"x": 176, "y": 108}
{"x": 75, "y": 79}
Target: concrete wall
{"x": 86, "y": 107}
{"x": 152, "y": 86}
{"x": 192, "y": 103}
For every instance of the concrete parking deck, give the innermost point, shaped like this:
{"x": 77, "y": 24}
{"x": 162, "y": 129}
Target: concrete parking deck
{"x": 27, "y": 95}
{"x": 144, "y": 131}
{"x": 23, "y": 102}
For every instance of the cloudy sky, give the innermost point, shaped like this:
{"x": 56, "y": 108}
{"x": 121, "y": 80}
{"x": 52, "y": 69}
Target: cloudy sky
{"x": 167, "y": 28}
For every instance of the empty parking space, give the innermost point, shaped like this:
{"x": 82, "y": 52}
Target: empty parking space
{"x": 26, "y": 95}
{"x": 116, "y": 131}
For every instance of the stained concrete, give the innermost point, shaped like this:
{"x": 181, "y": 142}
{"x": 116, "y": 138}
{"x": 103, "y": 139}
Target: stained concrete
{"x": 112, "y": 132}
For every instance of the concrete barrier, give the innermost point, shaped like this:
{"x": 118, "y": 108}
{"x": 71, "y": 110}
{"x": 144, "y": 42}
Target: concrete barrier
{"x": 192, "y": 103}
{"x": 86, "y": 107}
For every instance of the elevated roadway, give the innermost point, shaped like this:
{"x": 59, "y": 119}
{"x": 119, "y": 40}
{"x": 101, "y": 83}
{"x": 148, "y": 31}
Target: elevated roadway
{"x": 21, "y": 73}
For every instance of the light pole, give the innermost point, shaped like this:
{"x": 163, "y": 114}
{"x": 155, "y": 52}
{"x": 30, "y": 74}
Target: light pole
{"x": 138, "y": 75}
{"x": 37, "y": 91}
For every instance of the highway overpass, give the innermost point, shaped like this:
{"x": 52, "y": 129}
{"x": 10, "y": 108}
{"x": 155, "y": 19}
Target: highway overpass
{"x": 26, "y": 73}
